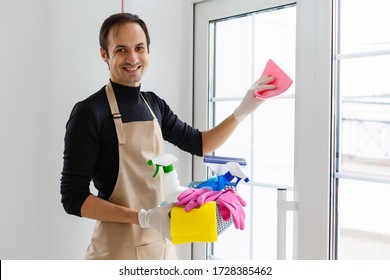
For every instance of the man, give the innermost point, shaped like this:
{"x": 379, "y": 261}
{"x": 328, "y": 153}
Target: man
{"x": 111, "y": 135}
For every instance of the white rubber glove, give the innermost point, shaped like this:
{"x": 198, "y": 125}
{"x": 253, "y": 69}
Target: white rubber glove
{"x": 250, "y": 103}
{"x": 157, "y": 218}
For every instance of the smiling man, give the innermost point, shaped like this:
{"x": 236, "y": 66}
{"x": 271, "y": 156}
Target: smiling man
{"x": 112, "y": 134}
{"x": 126, "y": 51}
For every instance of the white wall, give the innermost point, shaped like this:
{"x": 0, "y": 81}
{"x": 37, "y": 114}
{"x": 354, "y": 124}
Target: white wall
{"x": 22, "y": 124}
{"x": 50, "y": 61}
{"x": 74, "y": 71}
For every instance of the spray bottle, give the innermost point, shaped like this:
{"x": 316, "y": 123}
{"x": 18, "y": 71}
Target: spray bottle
{"x": 171, "y": 184}
{"x": 220, "y": 182}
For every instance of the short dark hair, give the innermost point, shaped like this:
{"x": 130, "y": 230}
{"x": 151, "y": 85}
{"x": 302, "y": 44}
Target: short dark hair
{"x": 117, "y": 20}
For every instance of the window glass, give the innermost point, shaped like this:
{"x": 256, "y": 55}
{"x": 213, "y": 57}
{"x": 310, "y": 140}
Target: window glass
{"x": 240, "y": 46}
{"x": 363, "y": 25}
{"x": 363, "y": 90}
{"x": 233, "y": 58}
{"x": 364, "y": 227}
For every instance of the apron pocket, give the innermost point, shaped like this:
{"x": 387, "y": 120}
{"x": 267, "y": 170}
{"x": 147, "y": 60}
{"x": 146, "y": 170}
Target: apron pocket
{"x": 153, "y": 251}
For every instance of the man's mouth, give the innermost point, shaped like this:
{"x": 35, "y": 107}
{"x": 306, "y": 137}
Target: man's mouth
{"x": 132, "y": 68}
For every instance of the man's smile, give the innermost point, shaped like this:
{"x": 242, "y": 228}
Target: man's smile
{"x": 131, "y": 68}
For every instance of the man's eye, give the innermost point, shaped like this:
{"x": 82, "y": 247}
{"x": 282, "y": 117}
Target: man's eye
{"x": 121, "y": 50}
{"x": 140, "y": 48}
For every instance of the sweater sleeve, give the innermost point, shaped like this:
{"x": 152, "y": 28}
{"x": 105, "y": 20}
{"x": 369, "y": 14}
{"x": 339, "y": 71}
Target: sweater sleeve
{"x": 80, "y": 154}
{"x": 178, "y": 132}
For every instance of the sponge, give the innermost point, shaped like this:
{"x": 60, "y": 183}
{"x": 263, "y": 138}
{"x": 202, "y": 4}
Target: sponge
{"x": 197, "y": 225}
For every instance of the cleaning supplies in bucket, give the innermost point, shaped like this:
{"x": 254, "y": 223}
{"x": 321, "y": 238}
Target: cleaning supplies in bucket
{"x": 203, "y": 211}
{"x": 222, "y": 190}
{"x": 230, "y": 204}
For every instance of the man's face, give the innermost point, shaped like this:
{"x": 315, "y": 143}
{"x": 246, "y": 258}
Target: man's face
{"x": 127, "y": 54}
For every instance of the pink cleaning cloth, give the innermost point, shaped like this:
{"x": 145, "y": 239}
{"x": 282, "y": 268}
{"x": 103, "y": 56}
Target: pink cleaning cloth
{"x": 282, "y": 80}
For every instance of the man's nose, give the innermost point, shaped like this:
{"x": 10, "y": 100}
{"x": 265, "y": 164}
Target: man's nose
{"x": 132, "y": 57}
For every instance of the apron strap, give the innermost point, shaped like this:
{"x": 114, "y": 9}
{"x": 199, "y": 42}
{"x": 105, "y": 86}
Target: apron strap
{"x": 115, "y": 114}
{"x": 150, "y": 109}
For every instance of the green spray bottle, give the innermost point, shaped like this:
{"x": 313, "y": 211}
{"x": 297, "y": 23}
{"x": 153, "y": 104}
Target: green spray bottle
{"x": 171, "y": 184}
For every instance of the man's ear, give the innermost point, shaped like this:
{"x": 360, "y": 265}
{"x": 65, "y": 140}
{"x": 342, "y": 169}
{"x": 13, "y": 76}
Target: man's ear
{"x": 104, "y": 55}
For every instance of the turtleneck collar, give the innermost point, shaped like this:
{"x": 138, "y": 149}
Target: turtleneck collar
{"x": 121, "y": 89}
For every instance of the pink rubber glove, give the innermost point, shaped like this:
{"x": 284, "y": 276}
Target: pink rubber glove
{"x": 189, "y": 198}
{"x": 231, "y": 204}
{"x": 208, "y": 196}
{"x": 202, "y": 199}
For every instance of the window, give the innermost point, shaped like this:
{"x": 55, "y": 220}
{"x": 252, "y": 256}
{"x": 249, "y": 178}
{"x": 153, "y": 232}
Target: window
{"x": 362, "y": 89}
{"x": 233, "y": 66}
{"x": 269, "y": 152}
{"x": 287, "y": 142}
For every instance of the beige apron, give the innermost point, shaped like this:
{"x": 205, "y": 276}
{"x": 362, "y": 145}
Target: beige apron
{"x": 135, "y": 188}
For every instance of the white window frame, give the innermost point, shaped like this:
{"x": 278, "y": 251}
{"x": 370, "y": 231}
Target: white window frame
{"x": 313, "y": 117}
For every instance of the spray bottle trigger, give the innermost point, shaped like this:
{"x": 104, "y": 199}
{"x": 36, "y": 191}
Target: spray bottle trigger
{"x": 150, "y": 162}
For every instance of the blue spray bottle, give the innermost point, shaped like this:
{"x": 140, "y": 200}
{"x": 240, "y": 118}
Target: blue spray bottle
{"x": 230, "y": 171}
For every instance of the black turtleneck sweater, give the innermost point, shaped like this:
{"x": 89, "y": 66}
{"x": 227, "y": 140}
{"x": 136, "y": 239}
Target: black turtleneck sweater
{"x": 91, "y": 144}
